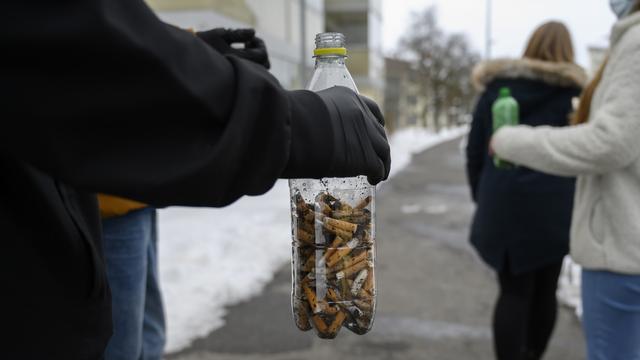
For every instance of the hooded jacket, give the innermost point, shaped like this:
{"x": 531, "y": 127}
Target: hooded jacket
{"x": 522, "y": 218}
{"x": 102, "y": 97}
{"x": 604, "y": 154}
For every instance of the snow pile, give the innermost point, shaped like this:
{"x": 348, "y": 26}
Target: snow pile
{"x": 409, "y": 141}
{"x": 213, "y": 258}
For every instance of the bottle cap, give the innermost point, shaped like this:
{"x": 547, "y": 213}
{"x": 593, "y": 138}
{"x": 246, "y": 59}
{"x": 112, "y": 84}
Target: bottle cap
{"x": 505, "y": 92}
{"x": 330, "y": 43}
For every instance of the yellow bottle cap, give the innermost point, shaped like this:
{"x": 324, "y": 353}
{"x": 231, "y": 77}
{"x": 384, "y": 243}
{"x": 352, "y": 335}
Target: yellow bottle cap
{"x": 330, "y": 51}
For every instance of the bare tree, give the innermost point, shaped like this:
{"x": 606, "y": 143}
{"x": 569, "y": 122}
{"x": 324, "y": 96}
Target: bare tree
{"x": 444, "y": 63}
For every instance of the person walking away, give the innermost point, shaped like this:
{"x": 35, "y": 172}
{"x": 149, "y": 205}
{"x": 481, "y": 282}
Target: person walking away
{"x": 521, "y": 224}
{"x": 603, "y": 151}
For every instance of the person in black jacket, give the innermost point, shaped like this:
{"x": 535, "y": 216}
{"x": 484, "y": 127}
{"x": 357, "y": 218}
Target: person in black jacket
{"x": 101, "y": 96}
{"x": 521, "y": 225}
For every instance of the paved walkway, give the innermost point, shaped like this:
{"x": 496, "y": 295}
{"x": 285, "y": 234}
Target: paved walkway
{"x": 435, "y": 296}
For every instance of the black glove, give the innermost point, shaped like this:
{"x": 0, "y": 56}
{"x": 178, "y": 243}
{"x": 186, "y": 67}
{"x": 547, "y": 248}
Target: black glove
{"x": 221, "y": 39}
{"x": 344, "y": 138}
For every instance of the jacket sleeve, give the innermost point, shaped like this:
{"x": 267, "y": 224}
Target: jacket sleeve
{"x": 105, "y": 97}
{"x": 609, "y": 141}
{"x": 477, "y": 144}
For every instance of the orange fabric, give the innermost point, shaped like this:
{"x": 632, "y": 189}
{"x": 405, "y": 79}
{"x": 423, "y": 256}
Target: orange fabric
{"x": 111, "y": 206}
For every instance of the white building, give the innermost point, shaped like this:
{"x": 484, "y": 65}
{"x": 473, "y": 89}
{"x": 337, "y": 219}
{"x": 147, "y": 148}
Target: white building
{"x": 278, "y": 22}
{"x": 361, "y": 22}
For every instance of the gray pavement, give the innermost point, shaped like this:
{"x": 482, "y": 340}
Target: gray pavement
{"x": 435, "y": 296}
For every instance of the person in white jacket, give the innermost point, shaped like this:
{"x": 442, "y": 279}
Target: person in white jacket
{"x": 603, "y": 151}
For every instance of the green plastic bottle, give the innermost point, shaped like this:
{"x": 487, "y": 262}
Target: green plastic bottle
{"x": 506, "y": 112}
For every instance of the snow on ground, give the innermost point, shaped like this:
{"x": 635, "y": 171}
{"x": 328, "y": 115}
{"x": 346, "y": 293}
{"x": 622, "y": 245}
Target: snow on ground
{"x": 213, "y": 258}
{"x": 406, "y": 142}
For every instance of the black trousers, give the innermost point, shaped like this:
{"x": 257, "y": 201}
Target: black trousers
{"x": 525, "y": 313}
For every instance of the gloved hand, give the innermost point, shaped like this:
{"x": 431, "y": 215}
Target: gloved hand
{"x": 354, "y": 142}
{"x": 221, "y": 40}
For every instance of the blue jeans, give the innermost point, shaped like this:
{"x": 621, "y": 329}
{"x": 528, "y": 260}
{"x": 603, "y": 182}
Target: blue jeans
{"x": 130, "y": 245}
{"x": 611, "y": 315}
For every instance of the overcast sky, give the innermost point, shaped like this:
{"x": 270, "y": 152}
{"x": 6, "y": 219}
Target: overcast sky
{"x": 590, "y": 22}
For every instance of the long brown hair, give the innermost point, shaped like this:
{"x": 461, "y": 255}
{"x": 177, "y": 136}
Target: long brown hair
{"x": 581, "y": 115}
{"x": 551, "y": 41}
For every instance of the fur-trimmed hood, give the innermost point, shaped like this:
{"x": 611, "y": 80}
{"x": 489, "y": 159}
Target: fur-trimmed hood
{"x": 560, "y": 74}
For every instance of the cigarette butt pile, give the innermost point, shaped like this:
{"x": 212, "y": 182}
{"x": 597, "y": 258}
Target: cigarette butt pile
{"x": 333, "y": 268}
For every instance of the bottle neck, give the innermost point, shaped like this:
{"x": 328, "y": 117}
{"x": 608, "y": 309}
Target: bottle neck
{"x": 330, "y": 60}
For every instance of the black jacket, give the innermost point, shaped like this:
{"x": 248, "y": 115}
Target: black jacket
{"x": 522, "y": 216}
{"x": 101, "y": 96}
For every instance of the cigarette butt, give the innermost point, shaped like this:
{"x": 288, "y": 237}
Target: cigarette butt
{"x": 342, "y": 206}
{"x": 330, "y": 310}
{"x": 354, "y": 269}
{"x": 345, "y": 235}
{"x": 332, "y": 295}
{"x": 358, "y": 219}
{"x": 351, "y": 261}
{"x": 364, "y": 295}
{"x": 342, "y": 252}
{"x": 355, "y": 311}
{"x": 305, "y": 237}
{"x": 363, "y": 305}
{"x": 337, "y": 323}
{"x": 341, "y": 215}
{"x": 320, "y": 325}
{"x": 301, "y": 315}
{"x": 364, "y": 203}
{"x": 309, "y": 216}
{"x": 368, "y": 284}
{"x": 311, "y": 276}
{"x": 338, "y": 255}
{"x": 317, "y": 306}
{"x": 363, "y": 325}
{"x": 344, "y": 286}
{"x": 311, "y": 298}
{"x": 342, "y": 225}
{"x": 326, "y": 198}
{"x": 308, "y": 227}
{"x": 309, "y": 264}
{"x": 358, "y": 282}
{"x": 301, "y": 205}
{"x": 366, "y": 237}
{"x": 333, "y": 247}
{"x": 324, "y": 209}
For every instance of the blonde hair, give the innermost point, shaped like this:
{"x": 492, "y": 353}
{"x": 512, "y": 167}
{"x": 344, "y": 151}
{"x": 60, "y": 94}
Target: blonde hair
{"x": 583, "y": 113}
{"x": 551, "y": 41}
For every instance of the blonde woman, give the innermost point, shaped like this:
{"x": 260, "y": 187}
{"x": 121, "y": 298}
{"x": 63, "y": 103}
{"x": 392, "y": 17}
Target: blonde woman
{"x": 521, "y": 225}
{"x": 603, "y": 151}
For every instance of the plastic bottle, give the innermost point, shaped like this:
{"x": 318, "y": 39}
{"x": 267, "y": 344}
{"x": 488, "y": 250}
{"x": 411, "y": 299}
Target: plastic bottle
{"x": 506, "y": 112}
{"x": 333, "y": 228}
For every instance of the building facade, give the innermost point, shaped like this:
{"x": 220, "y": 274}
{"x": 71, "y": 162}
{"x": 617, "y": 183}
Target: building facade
{"x": 361, "y": 22}
{"x": 279, "y": 22}
{"x": 403, "y": 100}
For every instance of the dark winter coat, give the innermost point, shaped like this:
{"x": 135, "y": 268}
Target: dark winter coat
{"x": 522, "y": 216}
{"x": 101, "y": 96}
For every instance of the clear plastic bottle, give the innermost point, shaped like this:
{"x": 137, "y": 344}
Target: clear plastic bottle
{"x": 333, "y": 227}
